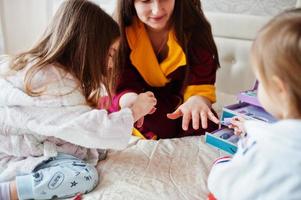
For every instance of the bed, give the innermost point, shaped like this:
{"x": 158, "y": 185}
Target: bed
{"x": 164, "y": 169}
{"x": 178, "y": 168}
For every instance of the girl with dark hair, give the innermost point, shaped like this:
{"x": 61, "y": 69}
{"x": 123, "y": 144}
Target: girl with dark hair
{"x": 167, "y": 47}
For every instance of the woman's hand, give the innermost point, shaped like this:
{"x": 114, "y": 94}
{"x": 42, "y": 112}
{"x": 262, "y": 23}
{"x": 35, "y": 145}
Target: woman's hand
{"x": 196, "y": 108}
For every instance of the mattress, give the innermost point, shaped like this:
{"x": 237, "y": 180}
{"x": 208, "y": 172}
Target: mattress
{"x": 163, "y": 169}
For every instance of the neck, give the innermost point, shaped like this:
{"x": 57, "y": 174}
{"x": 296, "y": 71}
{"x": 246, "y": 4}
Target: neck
{"x": 158, "y": 34}
{"x": 291, "y": 113}
{"x": 158, "y": 40}
{"x": 292, "y": 116}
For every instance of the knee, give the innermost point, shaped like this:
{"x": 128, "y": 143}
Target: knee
{"x": 93, "y": 172}
{"x": 90, "y": 176}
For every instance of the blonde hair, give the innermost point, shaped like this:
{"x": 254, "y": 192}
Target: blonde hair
{"x": 78, "y": 41}
{"x": 277, "y": 51}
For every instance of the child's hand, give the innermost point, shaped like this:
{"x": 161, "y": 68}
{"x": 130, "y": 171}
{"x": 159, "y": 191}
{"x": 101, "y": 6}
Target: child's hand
{"x": 236, "y": 123}
{"x": 127, "y": 100}
{"x": 143, "y": 105}
{"x": 140, "y": 121}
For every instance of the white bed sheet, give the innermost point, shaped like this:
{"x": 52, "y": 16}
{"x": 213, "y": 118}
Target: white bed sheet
{"x": 149, "y": 170}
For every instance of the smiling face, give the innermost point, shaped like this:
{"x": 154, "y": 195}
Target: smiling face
{"x": 155, "y": 14}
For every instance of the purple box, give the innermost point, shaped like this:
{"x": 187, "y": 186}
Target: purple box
{"x": 250, "y": 96}
{"x": 248, "y": 108}
{"x": 247, "y": 111}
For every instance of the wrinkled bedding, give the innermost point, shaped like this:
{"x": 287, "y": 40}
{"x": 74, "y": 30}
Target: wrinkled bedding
{"x": 164, "y": 169}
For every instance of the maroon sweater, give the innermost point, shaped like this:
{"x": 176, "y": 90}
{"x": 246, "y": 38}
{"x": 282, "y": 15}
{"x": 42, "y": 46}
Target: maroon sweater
{"x": 201, "y": 71}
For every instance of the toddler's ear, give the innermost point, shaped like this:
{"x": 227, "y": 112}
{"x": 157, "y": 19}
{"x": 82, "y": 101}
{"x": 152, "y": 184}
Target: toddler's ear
{"x": 278, "y": 83}
{"x": 280, "y": 88}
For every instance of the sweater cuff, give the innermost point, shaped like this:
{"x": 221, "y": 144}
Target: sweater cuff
{"x": 207, "y": 91}
{"x": 4, "y": 190}
{"x": 114, "y": 107}
{"x": 222, "y": 160}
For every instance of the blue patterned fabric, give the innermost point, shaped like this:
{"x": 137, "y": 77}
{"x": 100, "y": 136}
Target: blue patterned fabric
{"x": 62, "y": 176}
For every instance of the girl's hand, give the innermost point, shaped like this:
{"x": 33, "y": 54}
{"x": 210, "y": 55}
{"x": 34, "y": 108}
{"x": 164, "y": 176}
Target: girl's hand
{"x": 143, "y": 105}
{"x": 236, "y": 123}
{"x": 196, "y": 108}
{"x": 127, "y": 100}
{"x": 140, "y": 121}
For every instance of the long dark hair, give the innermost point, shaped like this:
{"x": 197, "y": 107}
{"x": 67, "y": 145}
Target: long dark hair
{"x": 78, "y": 41}
{"x": 195, "y": 31}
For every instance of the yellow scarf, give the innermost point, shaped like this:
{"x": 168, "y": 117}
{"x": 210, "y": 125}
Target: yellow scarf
{"x": 155, "y": 74}
{"x": 144, "y": 59}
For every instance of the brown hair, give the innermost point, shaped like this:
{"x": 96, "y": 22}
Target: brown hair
{"x": 195, "y": 31}
{"x": 277, "y": 51}
{"x": 78, "y": 41}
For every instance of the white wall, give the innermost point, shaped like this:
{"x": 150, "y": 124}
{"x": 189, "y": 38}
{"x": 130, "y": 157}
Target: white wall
{"x": 1, "y": 34}
{"x": 25, "y": 20}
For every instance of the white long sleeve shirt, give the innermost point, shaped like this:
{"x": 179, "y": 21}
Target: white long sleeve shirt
{"x": 266, "y": 166}
{"x": 33, "y": 128}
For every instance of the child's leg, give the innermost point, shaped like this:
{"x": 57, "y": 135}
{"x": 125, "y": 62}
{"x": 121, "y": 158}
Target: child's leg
{"x": 61, "y": 176}
{"x": 13, "y": 191}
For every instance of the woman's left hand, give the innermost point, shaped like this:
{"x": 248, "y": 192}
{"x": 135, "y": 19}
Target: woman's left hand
{"x": 196, "y": 108}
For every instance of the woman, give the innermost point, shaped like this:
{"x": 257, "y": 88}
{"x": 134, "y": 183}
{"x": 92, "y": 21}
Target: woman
{"x": 172, "y": 56}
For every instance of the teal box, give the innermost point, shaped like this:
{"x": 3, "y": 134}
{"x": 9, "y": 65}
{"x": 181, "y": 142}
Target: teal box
{"x": 248, "y": 108}
{"x": 224, "y": 139}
